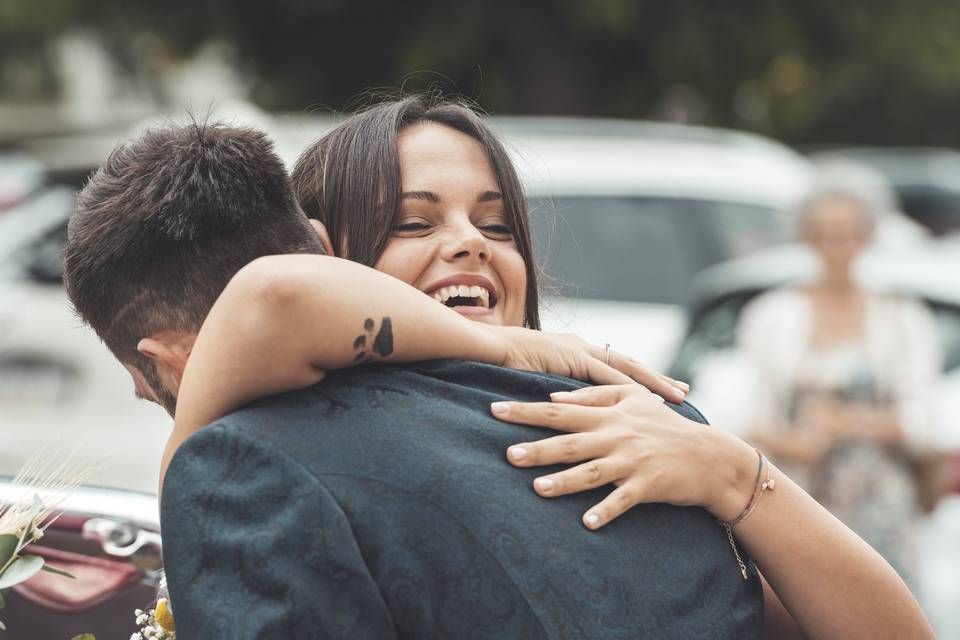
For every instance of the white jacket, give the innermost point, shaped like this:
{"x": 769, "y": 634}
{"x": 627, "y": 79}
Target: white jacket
{"x": 900, "y": 341}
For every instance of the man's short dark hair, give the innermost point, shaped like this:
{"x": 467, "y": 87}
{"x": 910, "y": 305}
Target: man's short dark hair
{"x": 166, "y": 221}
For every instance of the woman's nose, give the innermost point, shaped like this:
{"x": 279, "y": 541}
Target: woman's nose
{"x": 467, "y": 243}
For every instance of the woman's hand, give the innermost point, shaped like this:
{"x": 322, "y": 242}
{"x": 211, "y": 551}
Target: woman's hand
{"x": 627, "y": 436}
{"x": 571, "y": 356}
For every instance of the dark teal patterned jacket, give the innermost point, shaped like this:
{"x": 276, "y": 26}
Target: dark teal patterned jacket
{"x": 379, "y": 504}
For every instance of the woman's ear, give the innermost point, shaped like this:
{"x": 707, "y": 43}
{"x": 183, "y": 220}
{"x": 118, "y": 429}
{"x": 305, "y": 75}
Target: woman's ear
{"x": 323, "y": 234}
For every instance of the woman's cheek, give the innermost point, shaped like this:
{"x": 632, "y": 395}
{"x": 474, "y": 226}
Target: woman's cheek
{"x": 399, "y": 261}
{"x": 513, "y": 275}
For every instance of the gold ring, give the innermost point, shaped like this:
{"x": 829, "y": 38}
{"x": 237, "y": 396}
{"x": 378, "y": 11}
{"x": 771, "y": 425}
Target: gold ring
{"x": 606, "y": 354}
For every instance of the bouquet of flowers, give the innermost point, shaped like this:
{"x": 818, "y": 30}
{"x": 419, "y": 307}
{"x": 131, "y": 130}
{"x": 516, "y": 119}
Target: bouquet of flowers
{"x": 156, "y": 623}
{"x": 24, "y": 515}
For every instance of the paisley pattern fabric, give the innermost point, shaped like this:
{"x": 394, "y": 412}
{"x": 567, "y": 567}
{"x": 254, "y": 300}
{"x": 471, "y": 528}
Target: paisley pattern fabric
{"x": 379, "y": 504}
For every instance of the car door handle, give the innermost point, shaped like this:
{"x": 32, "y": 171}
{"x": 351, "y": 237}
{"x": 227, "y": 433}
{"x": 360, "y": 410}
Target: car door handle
{"x": 120, "y": 539}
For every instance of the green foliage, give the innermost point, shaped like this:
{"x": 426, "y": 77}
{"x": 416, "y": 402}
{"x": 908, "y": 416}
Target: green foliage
{"x": 8, "y": 546}
{"x": 59, "y": 572}
{"x": 803, "y": 71}
{"x": 15, "y": 567}
{"x": 20, "y": 570}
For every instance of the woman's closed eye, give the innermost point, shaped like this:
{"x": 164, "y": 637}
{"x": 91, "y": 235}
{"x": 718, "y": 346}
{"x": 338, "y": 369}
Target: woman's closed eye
{"x": 497, "y": 231}
{"x": 411, "y": 226}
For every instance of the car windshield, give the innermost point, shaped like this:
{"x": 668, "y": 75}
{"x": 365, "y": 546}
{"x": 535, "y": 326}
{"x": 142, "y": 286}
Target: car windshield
{"x": 643, "y": 249}
{"x": 936, "y": 209}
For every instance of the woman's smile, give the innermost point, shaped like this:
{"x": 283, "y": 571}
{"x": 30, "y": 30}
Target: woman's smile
{"x": 469, "y": 294}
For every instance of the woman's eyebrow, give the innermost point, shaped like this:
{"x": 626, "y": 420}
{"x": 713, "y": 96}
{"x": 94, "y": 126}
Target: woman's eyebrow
{"x": 429, "y": 196}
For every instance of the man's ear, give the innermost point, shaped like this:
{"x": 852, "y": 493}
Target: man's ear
{"x": 169, "y": 352}
{"x": 323, "y": 234}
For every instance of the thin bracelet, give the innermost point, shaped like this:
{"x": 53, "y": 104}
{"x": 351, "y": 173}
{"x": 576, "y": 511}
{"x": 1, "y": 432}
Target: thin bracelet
{"x": 768, "y": 484}
{"x": 753, "y": 496}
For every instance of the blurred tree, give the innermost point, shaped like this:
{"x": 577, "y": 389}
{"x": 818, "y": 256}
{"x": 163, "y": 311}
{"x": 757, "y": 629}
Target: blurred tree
{"x": 817, "y": 71}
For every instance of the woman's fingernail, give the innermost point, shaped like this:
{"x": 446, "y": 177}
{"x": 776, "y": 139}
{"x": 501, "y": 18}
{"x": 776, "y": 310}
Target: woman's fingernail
{"x": 683, "y": 386}
{"x": 517, "y": 453}
{"x": 543, "y": 484}
{"x": 499, "y": 408}
{"x": 592, "y": 520}
{"x": 561, "y": 395}
{"x": 680, "y": 393}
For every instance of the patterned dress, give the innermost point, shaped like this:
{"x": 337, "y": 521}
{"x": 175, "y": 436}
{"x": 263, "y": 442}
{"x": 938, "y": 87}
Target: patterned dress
{"x": 868, "y": 486}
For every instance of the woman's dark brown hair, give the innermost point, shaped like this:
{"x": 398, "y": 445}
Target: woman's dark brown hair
{"x": 350, "y": 180}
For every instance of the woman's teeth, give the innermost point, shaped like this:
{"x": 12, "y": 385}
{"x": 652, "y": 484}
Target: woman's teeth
{"x": 479, "y": 295}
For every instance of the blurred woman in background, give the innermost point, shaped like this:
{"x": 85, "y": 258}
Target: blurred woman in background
{"x": 845, "y": 377}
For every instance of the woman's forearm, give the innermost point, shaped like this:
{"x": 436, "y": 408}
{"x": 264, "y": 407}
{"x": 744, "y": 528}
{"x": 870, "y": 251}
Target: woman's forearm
{"x": 285, "y": 320}
{"x": 833, "y": 584}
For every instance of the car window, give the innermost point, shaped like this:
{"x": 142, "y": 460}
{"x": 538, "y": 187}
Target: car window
{"x": 715, "y": 330}
{"x": 936, "y": 209}
{"x": 42, "y": 258}
{"x": 742, "y": 229}
{"x": 643, "y": 249}
{"x": 32, "y": 237}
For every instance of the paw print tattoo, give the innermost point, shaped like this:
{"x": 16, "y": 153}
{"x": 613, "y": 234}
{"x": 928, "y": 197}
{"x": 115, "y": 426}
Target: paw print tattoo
{"x": 367, "y": 345}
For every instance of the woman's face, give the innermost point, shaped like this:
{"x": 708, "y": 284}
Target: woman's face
{"x": 838, "y": 230}
{"x": 453, "y": 240}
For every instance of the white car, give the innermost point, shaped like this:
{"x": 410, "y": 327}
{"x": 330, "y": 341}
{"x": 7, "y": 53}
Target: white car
{"x": 625, "y": 214}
